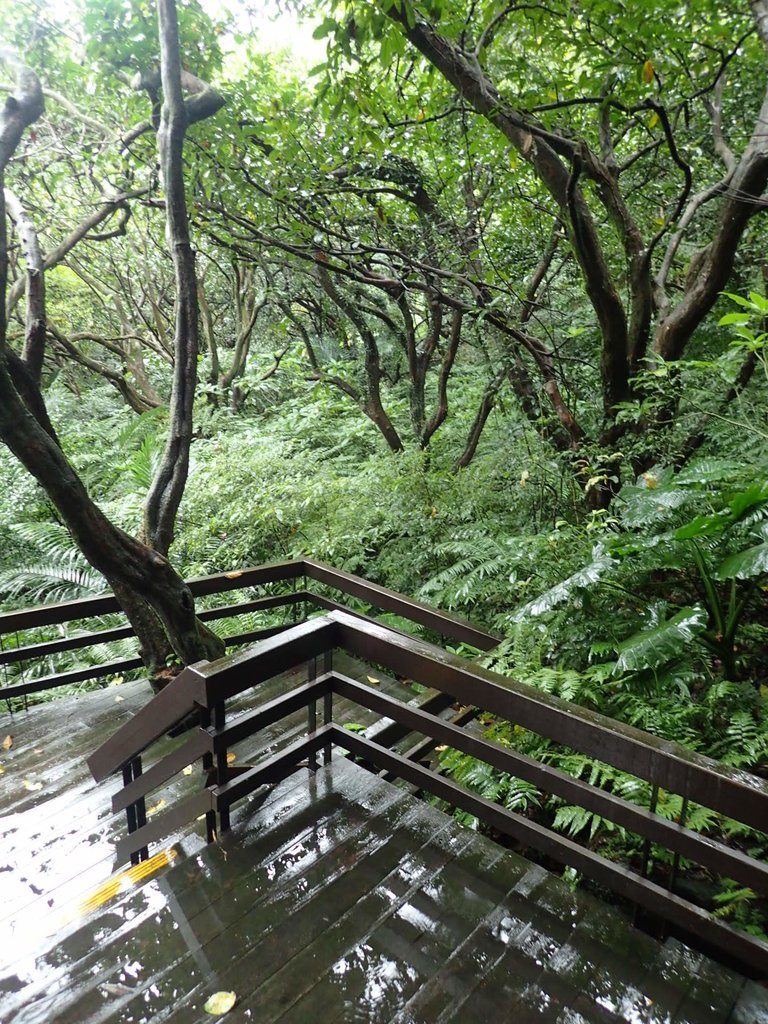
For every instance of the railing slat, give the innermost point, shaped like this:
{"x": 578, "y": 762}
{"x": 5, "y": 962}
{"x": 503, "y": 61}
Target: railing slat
{"x": 163, "y": 770}
{"x": 451, "y": 626}
{"x": 270, "y": 770}
{"x": 731, "y": 791}
{"x": 264, "y": 715}
{"x": 164, "y": 711}
{"x": 725, "y": 860}
{"x": 161, "y": 826}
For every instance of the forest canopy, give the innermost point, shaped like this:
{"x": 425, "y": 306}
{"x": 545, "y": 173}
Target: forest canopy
{"x": 474, "y": 307}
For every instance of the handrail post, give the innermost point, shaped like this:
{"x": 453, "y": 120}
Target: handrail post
{"x": 135, "y": 813}
{"x": 222, "y": 764}
{"x": 208, "y": 769}
{"x": 327, "y": 706}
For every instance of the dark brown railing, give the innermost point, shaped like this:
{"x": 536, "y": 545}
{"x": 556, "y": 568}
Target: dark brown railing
{"x": 208, "y": 686}
{"x": 302, "y": 575}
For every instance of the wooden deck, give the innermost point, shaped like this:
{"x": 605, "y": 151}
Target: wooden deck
{"x": 336, "y": 897}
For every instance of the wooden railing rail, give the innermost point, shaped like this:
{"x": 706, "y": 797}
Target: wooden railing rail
{"x": 301, "y": 598}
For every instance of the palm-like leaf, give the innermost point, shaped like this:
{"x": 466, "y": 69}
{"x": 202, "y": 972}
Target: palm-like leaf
{"x": 651, "y": 648}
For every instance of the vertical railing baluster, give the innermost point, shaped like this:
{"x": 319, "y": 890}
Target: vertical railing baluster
{"x": 21, "y": 671}
{"x": 8, "y": 702}
{"x": 646, "y": 848}
{"x": 676, "y": 858}
{"x": 327, "y": 706}
{"x": 208, "y": 767}
{"x": 141, "y": 807}
{"x": 222, "y": 765}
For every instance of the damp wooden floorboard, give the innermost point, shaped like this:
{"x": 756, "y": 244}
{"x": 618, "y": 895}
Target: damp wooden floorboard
{"x": 335, "y": 897}
{"x": 57, "y": 832}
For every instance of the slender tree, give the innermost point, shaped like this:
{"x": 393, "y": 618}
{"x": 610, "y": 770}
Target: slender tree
{"x": 156, "y": 599}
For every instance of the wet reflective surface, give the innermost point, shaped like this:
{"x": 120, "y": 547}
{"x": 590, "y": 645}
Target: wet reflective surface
{"x": 337, "y": 897}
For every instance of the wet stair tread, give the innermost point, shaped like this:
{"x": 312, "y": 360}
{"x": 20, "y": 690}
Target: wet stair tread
{"x": 338, "y": 896}
{"x": 205, "y": 877}
{"x": 58, "y": 840}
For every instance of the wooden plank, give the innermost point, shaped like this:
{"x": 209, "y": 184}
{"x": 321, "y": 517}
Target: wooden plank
{"x": 724, "y": 860}
{"x": 626, "y": 883}
{"x": 68, "y": 643}
{"x": 197, "y": 745}
{"x": 731, "y": 791}
{"x": 451, "y": 626}
{"x": 167, "y": 708}
{"x": 257, "y": 605}
{"x": 78, "y": 675}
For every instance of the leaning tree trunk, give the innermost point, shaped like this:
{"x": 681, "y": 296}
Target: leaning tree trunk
{"x": 140, "y": 573}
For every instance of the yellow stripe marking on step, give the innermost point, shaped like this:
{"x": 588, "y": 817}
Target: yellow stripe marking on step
{"x": 114, "y": 886}
{"x": 125, "y": 880}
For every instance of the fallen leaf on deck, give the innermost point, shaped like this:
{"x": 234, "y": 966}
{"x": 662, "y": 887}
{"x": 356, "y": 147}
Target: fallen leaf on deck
{"x": 155, "y": 807}
{"x": 116, "y": 990}
{"x": 232, "y": 575}
{"x": 2, "y": 770}
{"x": 32, "y": 786}
{"x": 231, "y": 757}
{"x": 188, "y": 770}
{"x": 7, "y": 742}
{"x": 372, "y": 679}
{"x": 119, "y": 699}
{"x": 220, "y": 1002}
{"x": 443, "y": 746}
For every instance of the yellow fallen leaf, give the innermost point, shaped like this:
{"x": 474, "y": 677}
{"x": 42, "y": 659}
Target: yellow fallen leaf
{"x": 2, "y": 770}
{"x": 188, "y": 770}
{"x": 32, "y": 786}
{"x": 155, "y": 807}
{"x": 220, "y": 1002}
{"x": 116, "y": 681}
{"x": 232, "y": 575}
{"x": 443, "y": 746}
{"x": 119, "y": 699}
{"x": 7, "y": 742}
{"x": 231, "y": 757}
{"x": 372, "y": 679}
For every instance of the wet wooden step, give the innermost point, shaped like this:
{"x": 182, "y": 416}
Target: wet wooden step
{"x": 338, "y": 896}
{"x": 57, "y": 833}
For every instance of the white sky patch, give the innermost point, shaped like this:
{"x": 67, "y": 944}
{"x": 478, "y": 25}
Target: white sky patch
{"x": 270, "y": 30}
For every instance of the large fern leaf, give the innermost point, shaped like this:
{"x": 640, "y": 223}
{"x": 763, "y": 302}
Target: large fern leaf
{"x": 653, "y": 647}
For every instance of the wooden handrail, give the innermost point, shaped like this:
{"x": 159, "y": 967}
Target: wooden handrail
{"x": 166, "y": 709}
{"x": 449, "y": 625}
{"x": 731, "y": 791}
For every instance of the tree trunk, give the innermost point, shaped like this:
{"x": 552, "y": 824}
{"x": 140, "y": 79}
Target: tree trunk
{"x": 143, "y": 578}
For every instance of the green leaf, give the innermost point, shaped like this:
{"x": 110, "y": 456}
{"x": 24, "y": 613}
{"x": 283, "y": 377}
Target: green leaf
{"x": 740, "y": 300}
{"x": 654, "y": 647}
{"x": 745, "y": 564}
{"x": 581, "y": 580}
{"x": 733, "y": 318}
